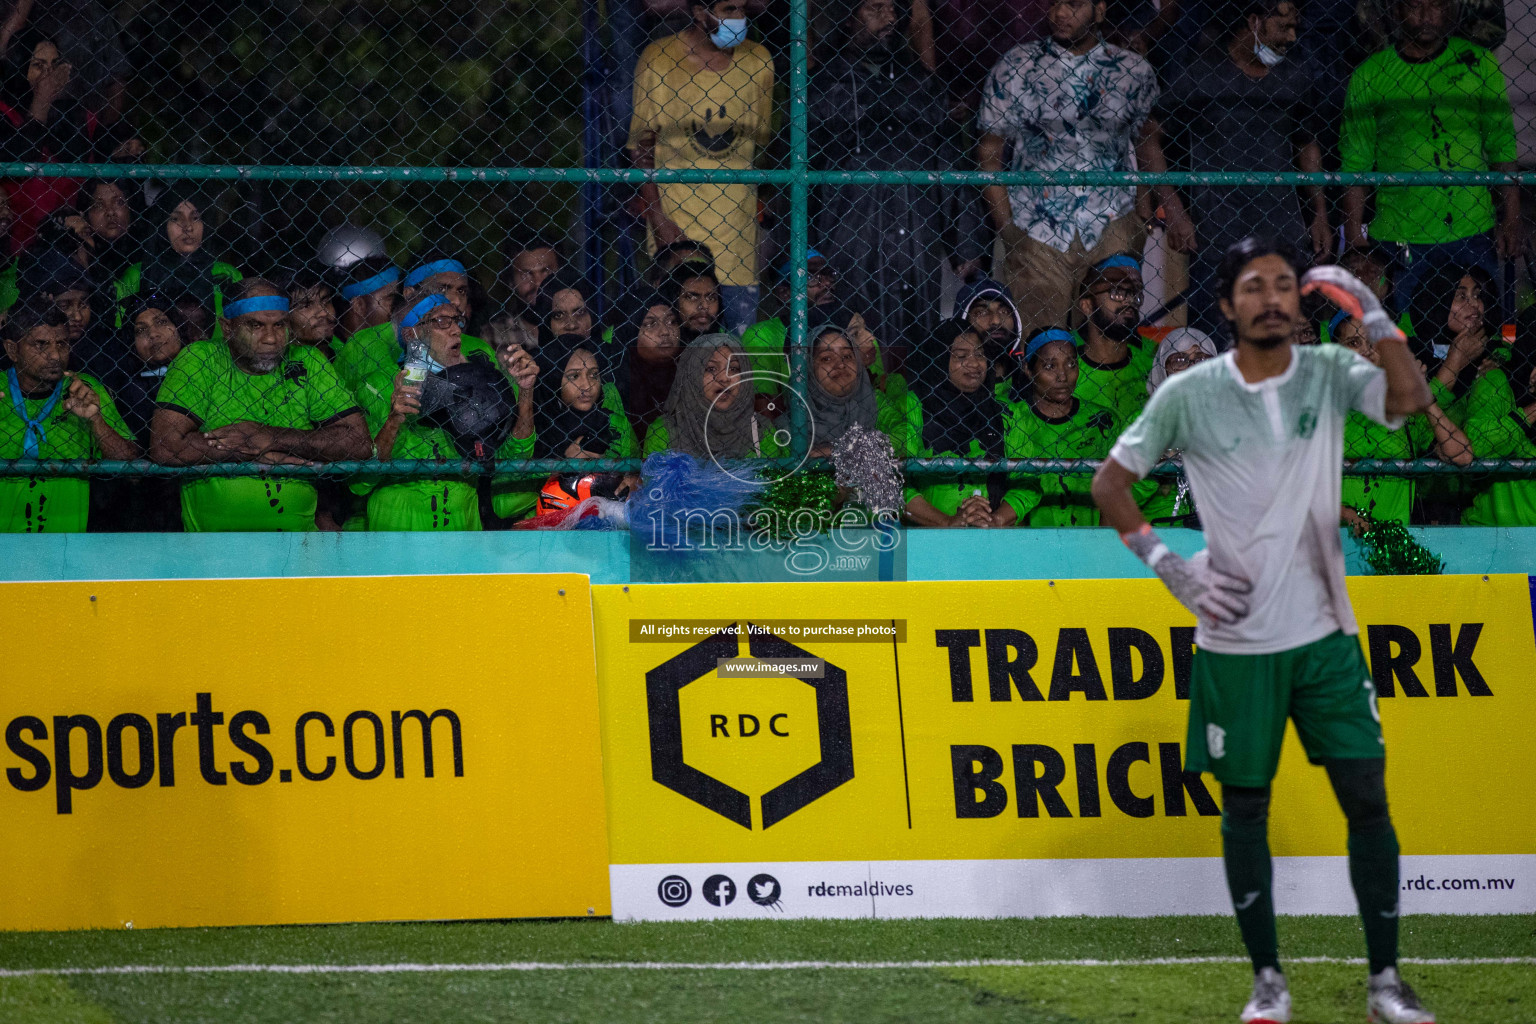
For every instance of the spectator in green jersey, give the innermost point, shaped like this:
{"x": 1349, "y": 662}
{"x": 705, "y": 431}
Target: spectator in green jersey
{"x": 51, "y": 413}
{"x": 709, "y": 413}
{"x": 1431, "y": 434}
{"x": 178, "y": 258}
{"x": 374, "y": 346}
{"x": 1434, "y": 102}
{"x": 312, "y": 316}
{"x": 1502, "y": 425}
{"x": 393, "y": 408}
{"x": 1052, "y": 422}
{"x": 252, "y": 398}
{"x": 581, "y": 415}
{"x": 959, "y": 417}
{"x": 1114, "y": 359}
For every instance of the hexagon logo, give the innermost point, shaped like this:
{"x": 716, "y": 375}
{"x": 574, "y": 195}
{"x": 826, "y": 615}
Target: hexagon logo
{"x": 664, "y": 684}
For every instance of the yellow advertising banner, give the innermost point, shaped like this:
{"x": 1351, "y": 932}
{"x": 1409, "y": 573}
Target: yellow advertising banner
{"x": 1017, "y": 747}
{"x": 299, "y": 750}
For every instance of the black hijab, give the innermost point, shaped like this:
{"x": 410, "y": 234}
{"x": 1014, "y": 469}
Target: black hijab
{"x": 558, "y": 425}
{"x": 953, "y": 418}
{"x": 643, "y": 385}
{"x": 164, "y": 269}
{"x": 1430, "y": 308}
{"x": 565, "y": 279}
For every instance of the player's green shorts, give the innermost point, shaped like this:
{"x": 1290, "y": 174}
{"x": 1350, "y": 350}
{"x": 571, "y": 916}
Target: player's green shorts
{"x": 1238, "y": 704}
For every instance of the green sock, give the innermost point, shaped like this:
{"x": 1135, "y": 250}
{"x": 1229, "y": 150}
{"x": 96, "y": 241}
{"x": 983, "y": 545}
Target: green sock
{"x": 1373, "y": 871}
{"x": 1250, "y": 875}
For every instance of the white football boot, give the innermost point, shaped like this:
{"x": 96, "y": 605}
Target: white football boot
{"x": 1391, "y": 1001}
{"x": 1271, "y": 1001}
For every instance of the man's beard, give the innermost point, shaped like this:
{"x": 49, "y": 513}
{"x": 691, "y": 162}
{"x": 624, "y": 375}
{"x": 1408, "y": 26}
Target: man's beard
{"x": 1269, "y": 343}
{"x": 1114, "y": 328}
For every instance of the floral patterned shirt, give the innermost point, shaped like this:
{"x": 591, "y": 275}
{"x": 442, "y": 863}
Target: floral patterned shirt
{"x": 1066, "y": 112}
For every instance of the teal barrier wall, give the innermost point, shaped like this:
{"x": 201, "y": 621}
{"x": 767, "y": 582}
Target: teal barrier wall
{"x": 932, "y": 554}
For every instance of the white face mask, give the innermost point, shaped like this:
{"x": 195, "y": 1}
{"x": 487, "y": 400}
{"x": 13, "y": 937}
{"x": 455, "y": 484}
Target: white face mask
{"x": 1267, "y": 56}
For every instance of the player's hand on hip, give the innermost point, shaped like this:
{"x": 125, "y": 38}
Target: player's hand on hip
{"x": 1208, "y": 592}
{"x": 1352, "y": 295}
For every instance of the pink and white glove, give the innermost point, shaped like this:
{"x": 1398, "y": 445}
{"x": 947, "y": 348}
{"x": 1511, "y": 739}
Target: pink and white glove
{"x": 1350, "y": 294}
{"x": 1210, "y": 593}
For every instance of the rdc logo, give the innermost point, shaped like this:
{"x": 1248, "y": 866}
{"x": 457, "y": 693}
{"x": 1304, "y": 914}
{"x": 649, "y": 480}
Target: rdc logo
{"x": 674, "y": 891}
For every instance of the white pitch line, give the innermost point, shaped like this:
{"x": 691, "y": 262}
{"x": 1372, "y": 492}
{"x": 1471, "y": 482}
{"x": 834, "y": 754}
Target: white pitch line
{"x": 737, "y": 965}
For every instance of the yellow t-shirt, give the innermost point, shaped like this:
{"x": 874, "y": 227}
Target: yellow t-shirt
{"x": 707, "y": 120}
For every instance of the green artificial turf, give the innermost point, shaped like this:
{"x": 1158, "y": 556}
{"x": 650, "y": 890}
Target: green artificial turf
{"x": 1143, "y": 994}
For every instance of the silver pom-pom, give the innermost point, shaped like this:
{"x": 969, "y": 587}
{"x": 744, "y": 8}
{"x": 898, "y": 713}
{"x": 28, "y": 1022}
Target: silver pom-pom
{"x": 865, "y": 463}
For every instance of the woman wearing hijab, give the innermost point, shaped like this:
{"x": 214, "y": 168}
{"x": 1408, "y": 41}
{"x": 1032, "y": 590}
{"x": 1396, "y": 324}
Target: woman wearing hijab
{"x": 649, "y": 342}
{"x": 709, "y": 413}
{"x": 562, "y": 305}
{"x": 840, "y": 393}
{"x": 178, "y": 259}
{"x": 1165, "y": 500}
{"x": 579, "y": 412}
{"x": 1431, "y": 434}
{"x": 150, "y": 341}
{"x": 957, "y": 418}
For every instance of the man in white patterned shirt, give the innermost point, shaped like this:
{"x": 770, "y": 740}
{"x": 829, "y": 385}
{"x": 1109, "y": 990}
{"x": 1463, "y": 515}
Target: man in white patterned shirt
{"x": 1070, "y": 102}
{"x": 1262, "y": 432}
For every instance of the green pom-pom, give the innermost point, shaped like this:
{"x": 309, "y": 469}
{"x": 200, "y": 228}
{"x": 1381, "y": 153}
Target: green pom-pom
{"x": 793, "y": 502}
{"x": 1390, "y": 550}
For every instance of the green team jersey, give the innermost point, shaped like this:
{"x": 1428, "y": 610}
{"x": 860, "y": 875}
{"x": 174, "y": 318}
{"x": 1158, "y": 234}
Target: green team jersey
{"x": 302, "y": 393}
{"x": 1122, "y": 387}
{"x": 1497, "y": 429}
{"x": 514, "y": 499}
{"x": 944, "y": 492}
{"x": 375, "y": 350}
{"x": 1383, "y": 498}
{"x": 658, "y": 439}
{"x": 9, "y": 293}
{"x": 1056, "y": 499}
{"x": 132, "y": 281}
{"x": 1450, "y": 113}
{"x": 50, "y": 504}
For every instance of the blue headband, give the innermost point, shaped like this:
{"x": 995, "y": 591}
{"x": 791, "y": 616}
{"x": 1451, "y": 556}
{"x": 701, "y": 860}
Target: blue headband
{"x": 370, "y": 284}
{"x": 788, "y": 266}
{"x": 426, "y": 270}
{"x": 240, "y": 307}
{"x": 1119, "y": 260}
{"x": 1333, "y": 325}
{"x": 1044, "y": 338}
{"x": 421, "y": 309}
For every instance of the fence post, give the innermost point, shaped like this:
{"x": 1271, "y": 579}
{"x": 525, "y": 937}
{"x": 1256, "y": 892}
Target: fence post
{"x": 799, "y": 224}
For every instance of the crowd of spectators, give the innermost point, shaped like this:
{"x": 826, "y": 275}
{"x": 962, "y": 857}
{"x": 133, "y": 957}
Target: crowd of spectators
{"x": 974, "y": 325}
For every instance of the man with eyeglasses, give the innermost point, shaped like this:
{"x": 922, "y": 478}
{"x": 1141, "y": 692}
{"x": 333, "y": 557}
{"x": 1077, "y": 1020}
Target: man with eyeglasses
{"x": 1114, "y": 358}
{"x": 250, "y": 398}
{"x": 377, "y": 348}
{"x": 393, "y": 407}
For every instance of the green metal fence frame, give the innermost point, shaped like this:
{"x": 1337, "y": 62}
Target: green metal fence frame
{"x": 799, "y": 176}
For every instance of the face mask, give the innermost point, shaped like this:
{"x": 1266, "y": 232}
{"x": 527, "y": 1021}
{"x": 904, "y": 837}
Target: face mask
{"x": 1267, "y": 56}
{"x": 731, "y": 33}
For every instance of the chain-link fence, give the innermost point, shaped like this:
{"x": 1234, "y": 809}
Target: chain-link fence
{"x": 390, "y": 265}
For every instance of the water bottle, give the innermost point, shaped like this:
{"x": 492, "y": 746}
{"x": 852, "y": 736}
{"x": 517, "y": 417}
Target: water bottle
{"x": 417, "y": 363}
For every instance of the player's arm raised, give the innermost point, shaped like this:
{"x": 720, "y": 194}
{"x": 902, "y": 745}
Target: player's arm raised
{"x": 1407, "y": 390}
{"x": 1209, "y": 593}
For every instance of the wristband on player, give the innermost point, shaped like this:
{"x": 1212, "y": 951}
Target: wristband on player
{"x": 1146, "y": 545}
